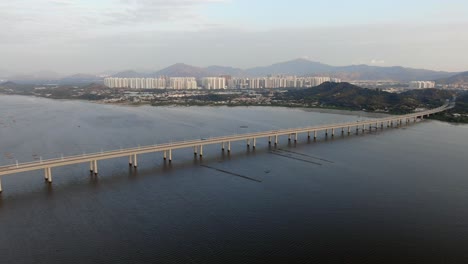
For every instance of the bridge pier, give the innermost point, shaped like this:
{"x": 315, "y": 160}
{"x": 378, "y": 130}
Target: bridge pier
{"x": 315, "y": 134}
{"x": 49, "y": 175}
{"x": 201, "y": 150}
{"x": 276, "y": 140}
{"x": 195, "y": 150}
{"x": 308, "y": 134}
{"x": 295, "y": 137}
{"x": 135, "y": 161}
{"x": 222, "y": 146}
{"x": 229, "y": 146}
{"x": 349, "y": 130}
{"x": 46, "y": 174}
{"x": 95, "y": 169}
{"x": 254, "y": 143}
{"x": 165, "y": 155}
{"x": 289, "y": 137}
{"x": 91, "y": 169}
{"x": 342, "y": 130}
{"x": 333, "y": 132}
{"x": 170, "y": 155}
{"x": 326, "y": 132}
{"x": 129, "y": 162}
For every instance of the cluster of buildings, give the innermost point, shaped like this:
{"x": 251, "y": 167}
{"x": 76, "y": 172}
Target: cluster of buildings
{"x": 181, "y": 83}
{"x": 278, "y": 82}
{"x": 216, "y": 83}
{"x": 421, "y": 84}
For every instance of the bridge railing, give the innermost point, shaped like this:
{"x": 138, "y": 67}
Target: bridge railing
{"x": 236, "y": 136}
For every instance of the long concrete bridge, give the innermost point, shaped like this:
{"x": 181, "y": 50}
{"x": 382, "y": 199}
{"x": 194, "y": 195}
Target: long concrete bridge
{"x": 224, "y": 141}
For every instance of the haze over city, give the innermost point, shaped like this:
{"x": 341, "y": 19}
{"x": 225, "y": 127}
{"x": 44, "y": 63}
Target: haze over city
{"x": 82, "y": 36}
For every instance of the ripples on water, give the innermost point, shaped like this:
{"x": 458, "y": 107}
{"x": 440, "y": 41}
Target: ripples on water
{"x": 397, "y": 196}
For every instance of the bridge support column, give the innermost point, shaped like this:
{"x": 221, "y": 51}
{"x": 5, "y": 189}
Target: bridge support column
{"x": 201, "y": 150}
{"x": 91, "y": 166}
{"x": 357, "y": 130}
{"x": 222, "y": 146}
{"x": 269, "y": 140}
{"x": 129, "y": 161}
{"x": 135, "y": 161}
{"x": 295, "y": 137}
{"x": 308, "y": 134}
{"x": 195, "y": 150}
{"x": 289, "y": 137}
{"x": 333, "y": 132}
{"x": 342, "y": 130}
{"x": 49, "y": 175}
{"x": 165, "y": 155}
{"x": 170, "y": 155}
{"x": 95, "y": 168}
{"x": 349, "y": 130}
{"x": 276, "y": 140}
{"x": 254, "y": 143}
{"x": 248, "y": 142}
{"x": 46, "y": 174}
{"x": 315, "y": 134}
{"x": 326, "y": 132}
{"x": 229, "y": 146}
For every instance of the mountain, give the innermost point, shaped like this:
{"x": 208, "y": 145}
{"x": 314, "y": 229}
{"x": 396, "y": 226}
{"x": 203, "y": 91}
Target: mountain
{"x": 182, "y": 70}
{"x": 224, "y": 70}
{"x": 294, "y": 67}
{"x": 395, "y": 73}
{"x": 80, "y": 78}
{"x": 346, "y": 95}
{"x": 461, "y": 78}
{"x": 302, "y": 67}
{"x": 129, "y": 74}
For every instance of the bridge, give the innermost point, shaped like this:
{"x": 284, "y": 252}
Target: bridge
{"x": 224, "y": 141}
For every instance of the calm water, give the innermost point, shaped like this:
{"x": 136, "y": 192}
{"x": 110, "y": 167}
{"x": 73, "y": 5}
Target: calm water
{"x": 397, "y": 196}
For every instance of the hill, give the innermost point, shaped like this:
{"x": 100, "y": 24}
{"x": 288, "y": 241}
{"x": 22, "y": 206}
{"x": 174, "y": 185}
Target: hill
{"x": 182, "y": 70}
{"x": 129, "y": 74}
{"x": 348, "y": 96}
{"x": 293, "y": 67}
{"x": 458, "y": 79}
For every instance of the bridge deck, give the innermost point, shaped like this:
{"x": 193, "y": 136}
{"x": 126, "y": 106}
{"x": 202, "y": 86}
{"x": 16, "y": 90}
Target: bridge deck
{"x": 94, "y": 157}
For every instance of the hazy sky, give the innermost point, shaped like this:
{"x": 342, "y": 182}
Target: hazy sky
{"x": 91, "y": 36}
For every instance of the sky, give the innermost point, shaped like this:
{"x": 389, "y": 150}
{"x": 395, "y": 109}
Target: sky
{"x": 93, "y": 36}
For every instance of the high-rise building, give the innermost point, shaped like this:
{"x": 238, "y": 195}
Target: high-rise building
{"x": 213, "y": 83}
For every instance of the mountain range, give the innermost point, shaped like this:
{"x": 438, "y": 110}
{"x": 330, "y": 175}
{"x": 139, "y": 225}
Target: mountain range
{"x": 298, "y": 67}
{"x": 458, "y": 79}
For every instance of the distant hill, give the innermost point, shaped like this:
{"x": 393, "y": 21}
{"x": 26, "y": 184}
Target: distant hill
{"x": 396, "y": 73}
{"x": 294, "y": 67}
{"x": 461, "y": 78}
{"x": 80, "y": 78}
{"x": 298, "y": 67}
{"x": 224, "y": 70}
{"x": 346, "y": 95}
{"x": 303, "y": 67}
{"x": 129, "y": 74}
{"x": 182, "y": 70}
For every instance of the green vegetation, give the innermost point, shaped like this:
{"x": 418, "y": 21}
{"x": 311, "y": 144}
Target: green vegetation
{"x": 348, "y": 96}
{"x": 458, "y": 114}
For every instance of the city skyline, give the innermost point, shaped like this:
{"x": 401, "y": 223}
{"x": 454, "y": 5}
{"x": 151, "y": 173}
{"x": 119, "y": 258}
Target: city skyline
{"x": 140, "y": 34}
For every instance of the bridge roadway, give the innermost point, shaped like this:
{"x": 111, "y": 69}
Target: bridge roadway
{"x": 198, "y": 144}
